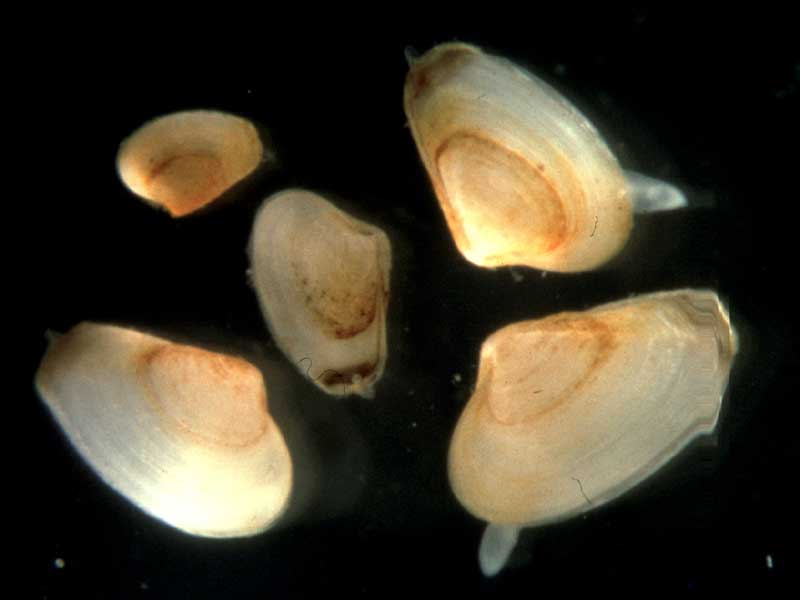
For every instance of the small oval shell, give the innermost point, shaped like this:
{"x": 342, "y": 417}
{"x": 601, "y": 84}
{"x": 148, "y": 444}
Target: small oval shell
{"x": 185, "y": 160}
{"x": 572, "y": 410}
{"x": 181, "y": 432}
{"x": 523, "y": 178}
{"x": 322, "y": 278}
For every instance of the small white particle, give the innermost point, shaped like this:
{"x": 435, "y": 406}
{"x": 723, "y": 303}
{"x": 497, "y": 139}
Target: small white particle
{"x": 413, "y": 424}
{"x": 517, "y": 276}
{"x": 457, "y": 378}
{"x": 410, "y": 392}
{"x": 544, "y": 274}
{"x": 770, "y": 564}
{"x": 59, "y": 563}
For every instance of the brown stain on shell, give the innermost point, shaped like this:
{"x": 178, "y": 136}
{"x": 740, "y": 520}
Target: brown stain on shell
{"x": 345, "y": 376}
{"x": 346, "y": 304}
{"x": 200, "y": 183}
{"x": 557, "y": 222}
{"x": 430, "y": 70}
{"x": 242, "y": 384}
{"x": 592, "y": 330}
{"x": 343, "y": 315}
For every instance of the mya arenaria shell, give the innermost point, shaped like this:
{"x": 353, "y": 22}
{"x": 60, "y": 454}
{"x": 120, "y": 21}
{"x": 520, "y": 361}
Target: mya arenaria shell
{"x": 572, "y": 410}
{"x": 185, "y": 160}
{"x": 181, "y": 432}
{"x": 322, "y": 278}
{"x": 523, "y": 178}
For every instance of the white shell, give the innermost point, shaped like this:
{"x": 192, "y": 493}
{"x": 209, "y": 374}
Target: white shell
{"x": 572, "y": 410}
{"x": 522, "y": 176}
{"x": 185, "y": 160}
{"x": 322, "y": 278}
{"x": 181, "y": 432}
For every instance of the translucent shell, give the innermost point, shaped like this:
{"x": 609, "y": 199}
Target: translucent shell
{"x": 572, "y": 410}
{"x": 181, "y": 432}
{"x": 322, "y": 278}
{"x": 183, "y": 161}
{"x": 522, "y": 177}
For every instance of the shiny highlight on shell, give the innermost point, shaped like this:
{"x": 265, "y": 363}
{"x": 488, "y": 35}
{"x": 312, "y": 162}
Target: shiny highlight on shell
{"x": 181, "y": 432}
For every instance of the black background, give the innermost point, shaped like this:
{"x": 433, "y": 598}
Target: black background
{"x": 705, "y": 101}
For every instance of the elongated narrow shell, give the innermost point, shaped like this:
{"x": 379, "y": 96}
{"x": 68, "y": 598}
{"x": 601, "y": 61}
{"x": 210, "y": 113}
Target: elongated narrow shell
{"x": 181, "y": 432}
{"x": 523, "y": 178}
{"x": 185, "y": 160}
{"x": 322, "y": 278}
{"x": 572, "y": 410}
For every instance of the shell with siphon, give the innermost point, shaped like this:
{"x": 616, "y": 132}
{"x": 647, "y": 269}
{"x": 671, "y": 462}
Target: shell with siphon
{"x": 523, "y": 178}
{"x": 572, "y": 410}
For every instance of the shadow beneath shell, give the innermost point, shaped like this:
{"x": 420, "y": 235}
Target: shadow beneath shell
{"x": 329, "y": 455}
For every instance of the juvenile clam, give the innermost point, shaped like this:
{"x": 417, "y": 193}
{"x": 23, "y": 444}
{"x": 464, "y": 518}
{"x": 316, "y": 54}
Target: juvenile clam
{"x": 185, "y": 160}
{"x": 181, "y": 432}
{"x": 322, "y": 278}
{"x": 523, "y": 178}
{"x": 573, "y": 410}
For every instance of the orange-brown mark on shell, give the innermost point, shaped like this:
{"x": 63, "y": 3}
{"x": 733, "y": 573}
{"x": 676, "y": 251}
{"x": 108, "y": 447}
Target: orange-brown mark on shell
{"x": 344, "y": 297}
{"x": 345, "y": 376}
{"x": 343, "y": 313}
{"x": 523, "y": 385}
{"x": 431, "y": 70}
{"x": 186, "y": 182}
{"x": 503, "y": 202}
{"x": 215, "y": 398}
